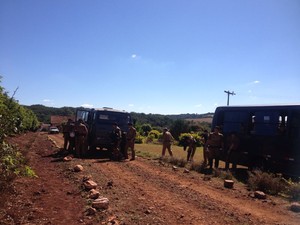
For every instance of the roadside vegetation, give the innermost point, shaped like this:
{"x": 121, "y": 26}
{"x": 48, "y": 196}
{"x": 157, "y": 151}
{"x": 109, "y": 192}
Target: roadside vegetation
{"x": 14, "y": 119}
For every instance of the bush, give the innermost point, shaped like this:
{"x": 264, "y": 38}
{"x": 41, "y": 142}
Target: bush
{"x": 184, "y": 136}
{"x": 294, "y": 191}
{"x": 139, "y": 139}
{"x": 12, "y": 164}
{"x": 14, "y": 119}
{"x": 266, "y": 182}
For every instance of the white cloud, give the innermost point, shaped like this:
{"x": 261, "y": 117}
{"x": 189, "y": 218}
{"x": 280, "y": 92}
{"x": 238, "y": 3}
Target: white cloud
{"x": 198, "y": 106}
{"x": 130, "y": 105}
{"x": 254, "y": 82}
{"x": 133, "y": 56}
{"x": 48, "y": 102}
{"x": 86, "y": 105}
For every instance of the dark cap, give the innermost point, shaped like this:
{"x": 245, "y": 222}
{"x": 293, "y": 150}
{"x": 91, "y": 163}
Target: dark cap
{"x": 115, "y": 124}
{"x": 217, "y": 127}
{"x": 165, "y": 128}
{"x": 129, "y": 124}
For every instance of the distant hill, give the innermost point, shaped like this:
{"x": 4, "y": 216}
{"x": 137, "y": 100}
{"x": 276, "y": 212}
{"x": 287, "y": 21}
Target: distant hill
{"x": 193, "y": 116}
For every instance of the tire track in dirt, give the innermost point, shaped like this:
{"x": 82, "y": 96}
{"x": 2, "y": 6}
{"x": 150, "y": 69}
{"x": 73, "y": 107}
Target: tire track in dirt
{"x": 230, "y": 200}
{"x": 191, "y": 198}
{"x": 171, "y": 196}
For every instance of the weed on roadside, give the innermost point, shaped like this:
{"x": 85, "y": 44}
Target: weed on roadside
{"x": 266, "y": 182}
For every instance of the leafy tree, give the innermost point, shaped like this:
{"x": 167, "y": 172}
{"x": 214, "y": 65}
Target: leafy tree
{"x": 146, "y": 128}
{"x": 178, "y": 127}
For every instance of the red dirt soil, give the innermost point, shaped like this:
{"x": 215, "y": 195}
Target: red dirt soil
{"x": 142, "y": 192}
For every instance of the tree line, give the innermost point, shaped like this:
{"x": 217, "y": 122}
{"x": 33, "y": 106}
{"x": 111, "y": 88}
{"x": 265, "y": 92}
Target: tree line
{"x": 145, "y": 123}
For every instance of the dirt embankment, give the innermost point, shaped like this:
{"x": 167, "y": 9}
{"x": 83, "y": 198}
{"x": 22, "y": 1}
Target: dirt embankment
{"x": 139, "y": 192}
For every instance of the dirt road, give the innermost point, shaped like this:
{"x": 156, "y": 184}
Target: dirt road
{"x": 140, "y": 192}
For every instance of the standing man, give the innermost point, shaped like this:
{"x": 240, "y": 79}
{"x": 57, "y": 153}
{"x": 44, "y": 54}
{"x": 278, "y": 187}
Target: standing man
{"x": 233, "y": 143}
{"x": 215, "y": 145}
{"x": 66, "y": 133}
{"x": 81, "y": 133}
{"x": 130, "y": 140}
{"x": 204, "y": 138}
{"x": 116, "y": 136}
{"x": 192, "y": 145}
{"x": 167, "y": 141}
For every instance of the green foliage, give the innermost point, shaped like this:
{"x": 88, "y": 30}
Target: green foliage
{"x": 178, "y": 127}
{"x": 14, "y": 119}
{"x": 153, "y": 136}
{"x": 12, "y": 164}
{"x": 145, "y": 129}
{"x": 183, "y": 137}
{"x": 139, "y": 139}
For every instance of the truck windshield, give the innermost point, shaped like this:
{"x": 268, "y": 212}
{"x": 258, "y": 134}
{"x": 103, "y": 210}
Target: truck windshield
{"x": 111, "y": 117}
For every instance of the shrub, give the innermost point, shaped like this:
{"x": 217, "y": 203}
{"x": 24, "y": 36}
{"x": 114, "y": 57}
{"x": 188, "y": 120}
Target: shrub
{"x": 266, "y": 182}
{"x": 184, "y": 136}
{"x": 13, "y": 119}
{"x": 294, "y": 191}
{"x": 139, "y": 139}
{"x": 12, "y": 164}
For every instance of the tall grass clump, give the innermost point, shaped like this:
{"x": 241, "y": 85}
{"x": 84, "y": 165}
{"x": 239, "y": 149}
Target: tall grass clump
{"x": 266, "y": 182}
{"x": 181, "y": 162}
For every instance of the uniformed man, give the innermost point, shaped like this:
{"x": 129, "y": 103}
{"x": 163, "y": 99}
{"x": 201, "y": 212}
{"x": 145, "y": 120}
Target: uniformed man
{"x": 130, "y": 140}
{"x": 233, "y": 143}
{"x": 192, "y": 145}
{"x": 71, "y": 147}
{"x": 215, "y": 145}
{"x": 81, "y": 133}
{"x": 116, "y": 136}
{"x": 66, "y": 133}
{"x": 167, "y": 141}
{"x": 204, "y": 138}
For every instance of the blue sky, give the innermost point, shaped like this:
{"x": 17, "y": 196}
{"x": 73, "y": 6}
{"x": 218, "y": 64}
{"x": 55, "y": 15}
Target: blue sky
{"x": 151, "y": 56}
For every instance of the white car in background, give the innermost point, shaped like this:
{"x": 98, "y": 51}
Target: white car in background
{"x": 53, "y": 130}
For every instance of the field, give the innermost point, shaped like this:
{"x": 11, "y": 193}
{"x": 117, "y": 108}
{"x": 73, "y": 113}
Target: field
{"x": 154, "y": 151}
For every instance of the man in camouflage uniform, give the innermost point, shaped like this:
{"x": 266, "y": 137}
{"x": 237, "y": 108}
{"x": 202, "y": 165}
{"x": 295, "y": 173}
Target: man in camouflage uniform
{"x": 167, "y": 141}
{"x": 192, "y": 145}
{"x": 116, "y": 136}
{"x": 232, "y": 147}
{"x": 66, "y": 132}
{"x": 130, "y": 140}
{"x": 81, "y": 133}
{"x": 204, "y": 138}
{"x": 214, "y": 145}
